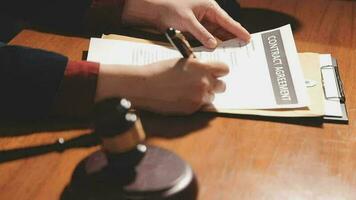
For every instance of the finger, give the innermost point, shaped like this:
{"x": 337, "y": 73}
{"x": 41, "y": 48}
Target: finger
{"x": 216, "y": 30}
{"x": 219, "y": 86}
{"x": 223, "y": 34}
{"x": 217, "y": 69}
{"x": 226, "y": 22}
{"x": 200, "y": 32}
{"x": 208, "y": 98}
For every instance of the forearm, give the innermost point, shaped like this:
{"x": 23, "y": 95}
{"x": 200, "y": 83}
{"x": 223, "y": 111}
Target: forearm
{"x": 141, "y": 13}
{"x": 120, "y": 81}
{"x": 47, "y": 12}
{"x": 38, "y": 84}
{"x": 104, "y": 15}
{"x": 66, "y": 14}
{"x": 29, "y": 79}
{"x": 76, "y": 94}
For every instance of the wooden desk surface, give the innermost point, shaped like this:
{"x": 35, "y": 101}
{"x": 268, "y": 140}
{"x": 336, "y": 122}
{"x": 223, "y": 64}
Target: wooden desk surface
{"x": 232, "y": 158}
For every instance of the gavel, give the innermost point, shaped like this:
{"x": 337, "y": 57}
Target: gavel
{"x": 125, "y": 168}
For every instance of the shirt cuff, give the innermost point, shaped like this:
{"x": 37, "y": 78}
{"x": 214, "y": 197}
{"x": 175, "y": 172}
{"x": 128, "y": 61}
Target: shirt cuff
{"x": 76, "y": 94}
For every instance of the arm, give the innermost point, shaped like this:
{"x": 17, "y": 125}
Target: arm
{"x": 71, "y": 15}
{"x": 29, "y": 79}
{"x": 48, "y": 12}
{"x": 38, "y": 84}
{"x": 177, "y": 86}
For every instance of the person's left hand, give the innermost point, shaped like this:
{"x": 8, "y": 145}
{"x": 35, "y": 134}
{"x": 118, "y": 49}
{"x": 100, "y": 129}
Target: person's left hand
{"x": 204, "y": 19}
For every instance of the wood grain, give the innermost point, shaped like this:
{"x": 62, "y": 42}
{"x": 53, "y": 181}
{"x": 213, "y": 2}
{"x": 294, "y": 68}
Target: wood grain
{"x": 233, "y": 158}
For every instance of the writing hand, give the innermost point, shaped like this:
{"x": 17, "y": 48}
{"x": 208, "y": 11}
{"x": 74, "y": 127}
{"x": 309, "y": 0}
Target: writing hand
{"x": 176, "y": 86}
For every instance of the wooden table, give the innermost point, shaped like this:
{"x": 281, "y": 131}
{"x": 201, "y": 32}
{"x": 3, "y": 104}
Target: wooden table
{"x": 232, "y": 158}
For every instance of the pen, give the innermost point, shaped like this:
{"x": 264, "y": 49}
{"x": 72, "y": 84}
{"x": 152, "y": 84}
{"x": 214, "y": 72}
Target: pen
{"x": 177, "y": 39}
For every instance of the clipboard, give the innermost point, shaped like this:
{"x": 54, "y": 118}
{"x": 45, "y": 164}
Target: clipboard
{"x": 334, "y": 84}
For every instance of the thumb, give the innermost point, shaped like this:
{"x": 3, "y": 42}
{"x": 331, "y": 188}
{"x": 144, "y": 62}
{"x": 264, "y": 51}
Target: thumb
{"x": 200, "y": 32}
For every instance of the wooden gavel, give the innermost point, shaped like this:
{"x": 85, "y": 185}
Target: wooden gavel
{"x": 125, "y": 168}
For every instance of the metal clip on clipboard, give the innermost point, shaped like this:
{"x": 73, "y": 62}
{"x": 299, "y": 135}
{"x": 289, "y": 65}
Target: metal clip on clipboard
{"x": 340, "y": 88}
{"x": 337, "y": 87}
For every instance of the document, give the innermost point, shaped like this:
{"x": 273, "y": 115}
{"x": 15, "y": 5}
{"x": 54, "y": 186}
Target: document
{"x": 264, "y": 73}
{"x": 310, "y": 63}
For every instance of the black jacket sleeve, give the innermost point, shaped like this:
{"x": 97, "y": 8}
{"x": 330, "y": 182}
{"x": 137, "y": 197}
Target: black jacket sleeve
{"x": 29, "y": 79}
{"x": 51, "y": 14}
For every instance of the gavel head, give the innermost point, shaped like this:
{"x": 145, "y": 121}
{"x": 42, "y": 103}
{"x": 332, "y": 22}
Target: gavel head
{"x": 124, "y": 168}
{"x": 117, "y": 125}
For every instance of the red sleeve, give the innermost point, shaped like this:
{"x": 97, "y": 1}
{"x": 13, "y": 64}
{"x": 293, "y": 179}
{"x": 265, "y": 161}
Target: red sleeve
{"x": 76, "y": 93}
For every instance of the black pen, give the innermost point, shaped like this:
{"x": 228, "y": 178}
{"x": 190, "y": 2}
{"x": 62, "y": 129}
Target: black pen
{"x": 177, "y": 39}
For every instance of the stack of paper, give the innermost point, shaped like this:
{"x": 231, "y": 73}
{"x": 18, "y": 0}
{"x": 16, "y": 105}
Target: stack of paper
{"x": 266, "y": 77}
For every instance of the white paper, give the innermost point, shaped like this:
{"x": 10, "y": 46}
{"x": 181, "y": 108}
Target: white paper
{"x": 249, "y": 83}
{"x": 108, "y": 51}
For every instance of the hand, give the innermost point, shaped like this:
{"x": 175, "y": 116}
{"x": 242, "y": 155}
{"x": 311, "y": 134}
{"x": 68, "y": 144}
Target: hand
{"x": 177, "y": 86}
{"x": 201, "y": 18}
